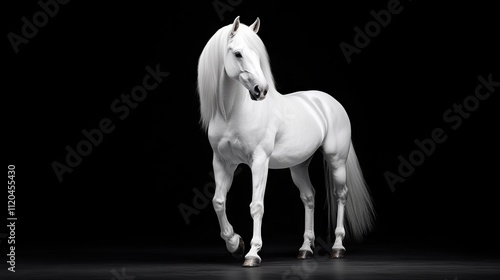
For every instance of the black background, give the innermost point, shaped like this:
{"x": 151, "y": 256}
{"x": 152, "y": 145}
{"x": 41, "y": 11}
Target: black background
{"x": 128, "y": 190}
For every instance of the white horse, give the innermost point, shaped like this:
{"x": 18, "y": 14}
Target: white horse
{"x": 249, "y": 122}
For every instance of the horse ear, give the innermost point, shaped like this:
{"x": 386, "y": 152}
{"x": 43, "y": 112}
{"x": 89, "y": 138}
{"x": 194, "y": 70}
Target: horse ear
{"x": 256, "y": 25}
{"x": 236, "y": 25}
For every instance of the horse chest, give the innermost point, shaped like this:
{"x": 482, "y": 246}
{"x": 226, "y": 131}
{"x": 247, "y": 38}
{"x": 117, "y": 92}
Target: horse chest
{"x": 232, "y": 146}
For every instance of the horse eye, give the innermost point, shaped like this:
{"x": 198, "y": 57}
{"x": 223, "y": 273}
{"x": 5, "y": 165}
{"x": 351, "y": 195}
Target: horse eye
{"x": 238, "y": 54}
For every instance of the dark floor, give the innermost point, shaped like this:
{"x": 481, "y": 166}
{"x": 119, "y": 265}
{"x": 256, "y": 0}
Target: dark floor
{"x": 214, "y": 263}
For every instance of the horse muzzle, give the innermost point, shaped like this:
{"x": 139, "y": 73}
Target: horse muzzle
{"x": 258, "y": 92}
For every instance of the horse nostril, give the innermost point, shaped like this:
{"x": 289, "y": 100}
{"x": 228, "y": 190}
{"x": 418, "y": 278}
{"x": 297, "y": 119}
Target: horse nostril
{"x": 256, "y": 89}
{"x": 265, "y": 92}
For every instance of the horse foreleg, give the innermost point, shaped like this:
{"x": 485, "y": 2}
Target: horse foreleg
{"x": 259, "y": 168}
{"x": 223, "y": 174}
{"x": 300, "y": 177}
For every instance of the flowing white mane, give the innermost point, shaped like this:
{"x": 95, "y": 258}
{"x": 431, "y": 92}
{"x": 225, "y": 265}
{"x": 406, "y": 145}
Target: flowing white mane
{"x": 211, "y": 69}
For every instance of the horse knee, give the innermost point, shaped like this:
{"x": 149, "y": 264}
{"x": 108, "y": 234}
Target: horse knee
{"x": 219, "y": 204}
{"x": 256, "y": 208}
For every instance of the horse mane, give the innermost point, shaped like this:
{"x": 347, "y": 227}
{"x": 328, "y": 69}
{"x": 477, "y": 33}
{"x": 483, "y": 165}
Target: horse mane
{"x": 211, "y": 69}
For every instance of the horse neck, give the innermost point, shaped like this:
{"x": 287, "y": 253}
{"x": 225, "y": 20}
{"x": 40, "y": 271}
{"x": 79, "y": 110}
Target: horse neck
{"x": 234, "y": 97}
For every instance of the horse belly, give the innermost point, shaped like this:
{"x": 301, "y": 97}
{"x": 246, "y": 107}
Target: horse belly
{"x": 297, "y": 144}
{"x": 304, "y": 128}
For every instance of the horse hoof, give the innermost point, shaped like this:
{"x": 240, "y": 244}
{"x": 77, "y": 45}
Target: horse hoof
{"x": 240, "y": 251}
{"x": 337, "y": 253}
{"x": 304, "y": 255}
{"x": 251, "y": 262}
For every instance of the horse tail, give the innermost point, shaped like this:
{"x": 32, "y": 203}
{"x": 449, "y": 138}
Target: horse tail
{"x": 359, "y": 210}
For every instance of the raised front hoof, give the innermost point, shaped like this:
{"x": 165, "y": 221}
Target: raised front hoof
{"x": 337, "y": 253}
{"x": 304, "y": 255}
{"x": 238, "y": 254}
{"x": 251, "y": 262}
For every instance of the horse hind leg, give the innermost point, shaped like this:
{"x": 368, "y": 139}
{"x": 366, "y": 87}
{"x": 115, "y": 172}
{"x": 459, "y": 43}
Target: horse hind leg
{"x": 300, "y": 177}
{"x": 337, "y": 185}
{"x": 352, "y": 201}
